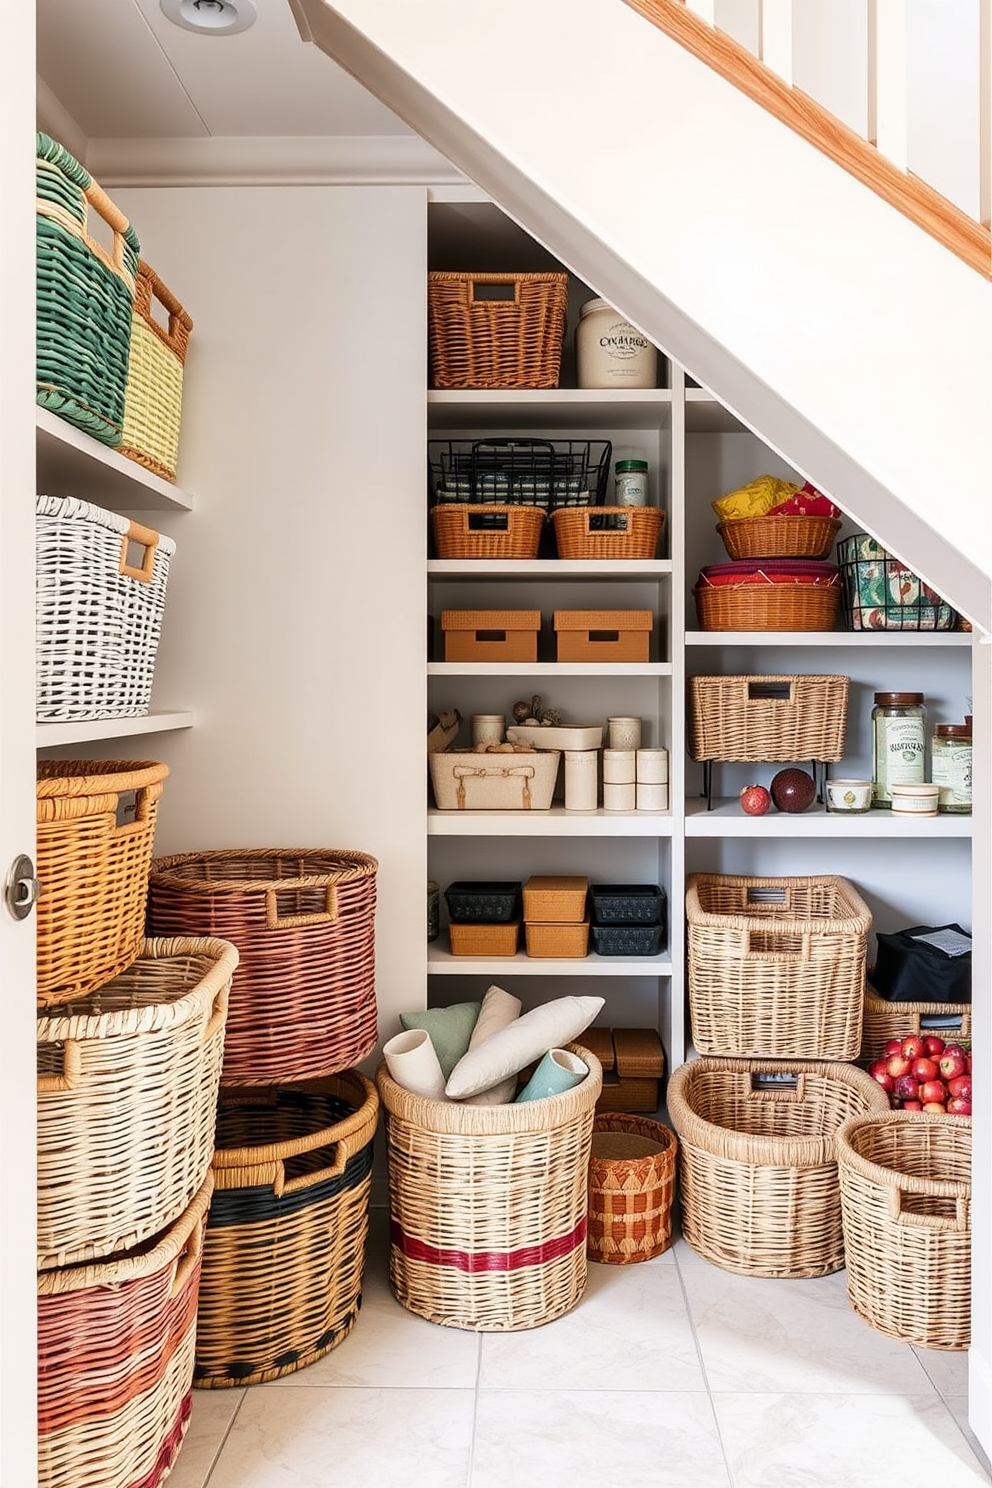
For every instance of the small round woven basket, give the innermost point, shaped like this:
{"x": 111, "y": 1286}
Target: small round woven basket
{"x": 790, "y": 535}
{"x": 631, "y": 1186}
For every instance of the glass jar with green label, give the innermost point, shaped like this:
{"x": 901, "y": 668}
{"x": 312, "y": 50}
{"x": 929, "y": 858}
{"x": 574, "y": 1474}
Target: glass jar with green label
{"x": 899, "y": 743}
{"x": 952, "y": 767}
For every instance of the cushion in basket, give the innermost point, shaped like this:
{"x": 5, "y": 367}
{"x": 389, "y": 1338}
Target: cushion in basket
{"x": 526, "y": 1039}
{"x": 450, "y": 1029}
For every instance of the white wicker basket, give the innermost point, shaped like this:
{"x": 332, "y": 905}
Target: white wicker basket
{"x": 101, "y": 584}
{"x": 466, "y": 781}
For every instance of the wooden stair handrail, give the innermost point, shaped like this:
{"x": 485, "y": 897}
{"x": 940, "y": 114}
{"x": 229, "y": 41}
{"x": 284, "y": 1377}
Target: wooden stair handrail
{"x": 971, "y": 241}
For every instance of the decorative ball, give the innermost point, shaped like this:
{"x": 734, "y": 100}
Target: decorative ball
{"x": 793, "y": 790}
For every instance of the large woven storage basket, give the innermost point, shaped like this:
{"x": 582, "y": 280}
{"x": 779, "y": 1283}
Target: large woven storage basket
{"x": 496, "y": 330}
{"x": 96, "y": 829}
{"x": 98, "y": 610}
{"x": 85, "y": 296}
{"x": 127, "y": 1099}
{"x": 905, "y": 1193}
{"x": 607, "y": 531}
{"x": 757, "y": 1162}
{"x": 776, "y": 965}
{"x": 489, "y": 1204}
{"x": 153, "y": 396}
{"x": 764, "y": 606}
{"x": 303, "y": 999}
{"x": 487, "y": 530}
{"x": 884, "y": 1020}
{"x": 768, "y": 717}
{"x": 286, "y": 1236}
{"x": 631, "y": 1187}
{"x": 115, "y": 1360}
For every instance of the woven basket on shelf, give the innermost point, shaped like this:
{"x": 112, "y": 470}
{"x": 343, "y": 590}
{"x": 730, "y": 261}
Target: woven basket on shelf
{"x": 286, "y": 1237}
{"x": 488, "y": 1204}
{"x": 884, "y": 1020}
{"x": 790, "y": 535}
{"x": 96, "y": 828}
{"x": 767, "y": 606}
{"x": 757, "y": 1161}
{"x": 303, "y": 919}
{"x": 496, "y": 330}
{"x": 127, "y": 1097}
{"x": 607, "y": 531}
{"x": 631, "y": 1185}
{"x": 776, "y": 965}
{"x": 770, "y": 717}
{"x": 905, "y": 1194}
{"x": 98, "y": 614}
{"x": 487, "y": 530}
{"x": 84, "y": 297}
{"x": 153, "y": 397}
{"x": 115, "y": 1360}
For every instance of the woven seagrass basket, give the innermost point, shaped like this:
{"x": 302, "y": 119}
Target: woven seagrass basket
{"x": 153, "y": 396}
{"x": 286, "y": 1237}
{"x": 789, "y": 535}
{"x": 770, "y": 717}
{"x": 303, "y": 999}
{"x": 757, "y": 1161}
{"x": 607, "y": 531}
{"x": 85, "y": 296}
{"x": 487, "y": 530}
{"x": 127, "y": 1099}
{"x": 776, "y": 966}
{"x": 631, "y": 1186}
{"x": 96, "y": 828}
{"x": 115, "y": 1360}
{"x": 905, "y": 1194}
{"x": 767, "y": 606}
{"x": 489, "y": 1204}
{"x": 98, "y": 614}
{"x": 496, "y": 330}
{"x": 884, "y": 1020}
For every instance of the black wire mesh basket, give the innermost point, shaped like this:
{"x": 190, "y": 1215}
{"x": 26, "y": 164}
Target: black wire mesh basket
{"x": 520, "y": 472}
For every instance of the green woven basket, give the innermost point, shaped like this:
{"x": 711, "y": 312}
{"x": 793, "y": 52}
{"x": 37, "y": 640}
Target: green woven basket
{"x": 85, "y": 295}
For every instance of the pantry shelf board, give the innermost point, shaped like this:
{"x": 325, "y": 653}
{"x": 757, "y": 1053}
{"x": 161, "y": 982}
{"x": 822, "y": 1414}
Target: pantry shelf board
{"x": 53, "y": 735}
{"x": 883, "y": 639}
{"x": 705, "y": 415}
{"x": 727, "y": 820}
{"x": 557, "y": 822}
{"x": 549, "y": 669}
{"x": 548, "y": 568}
{"x": 441, "y": 963}
{"x": 539, "y": 408}
{"x": 72, "y": 463}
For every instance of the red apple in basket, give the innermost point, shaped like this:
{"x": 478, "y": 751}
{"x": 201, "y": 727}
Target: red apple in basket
{"x": 935, "y": 1046}
{"x": 958, "y": 1106}
{"x": 894, "y": 1046}
{"x": 952, "y": 1065}
{"x": 793, "y": 790}
{"x": 936, "y": 1108}
{"x": 880, "y": 1073}
{"x": 914, "y": 1046}
{"x": 912, "y": 1105}
{"x": 932, "y": 1091}
{"x": 960, "y": 1087}
{"x": 898, "y": 1065}
{"x": 755, "y": 800}
{"x": 906, "y": 1088}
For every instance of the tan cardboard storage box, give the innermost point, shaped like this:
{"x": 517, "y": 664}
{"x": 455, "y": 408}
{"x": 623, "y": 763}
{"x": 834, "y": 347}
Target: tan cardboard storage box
{"x": 633, "y": 1063}
{"x": 490, "y": 635}
{"x": 603, "y": 635}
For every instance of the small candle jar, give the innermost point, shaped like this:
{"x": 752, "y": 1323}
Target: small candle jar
{"x": 914, "y": 800}
{"x": 848, "y": 795}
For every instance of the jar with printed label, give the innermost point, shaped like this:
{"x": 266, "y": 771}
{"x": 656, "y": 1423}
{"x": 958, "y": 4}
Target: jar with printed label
{"x": 952, "y": 767}
{"x": 610, "y": 352}
{"x": 899, "y": 743}
{"x": 631, "y": 483}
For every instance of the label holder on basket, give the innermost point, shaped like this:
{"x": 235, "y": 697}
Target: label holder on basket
{"x": 778, "y": 1085}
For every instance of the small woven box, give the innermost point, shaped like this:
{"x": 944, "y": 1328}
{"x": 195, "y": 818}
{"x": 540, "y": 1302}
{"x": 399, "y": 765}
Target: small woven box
{"x": 496, "y": 330}
{"x": 631, "y": 1186}
{"x": 153, "y": 397}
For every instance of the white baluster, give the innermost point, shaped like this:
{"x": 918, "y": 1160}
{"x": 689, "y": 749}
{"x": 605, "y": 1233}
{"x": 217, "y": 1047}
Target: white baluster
{"x": 704, "y": 9}
{"x": 985, "y": 112}
{"x": 887, "y": 103}
{"x": 777, "y": 50}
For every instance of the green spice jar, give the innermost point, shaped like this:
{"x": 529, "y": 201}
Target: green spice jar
{"x": 952, "y": 766}
{"x": 899, "y": 743}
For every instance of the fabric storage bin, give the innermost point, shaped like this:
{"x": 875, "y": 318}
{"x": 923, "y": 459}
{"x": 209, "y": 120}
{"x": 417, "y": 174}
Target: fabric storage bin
{"x": 627, "y": 904}
{"x": 768, "y": 717}
{"x": 115, "y": 1360}
{"x": 490, "y": 635}
{"x": 85, "y": 296}
{"x": 464, "y": 781}
{"x": 496, "y": 330}
{"x": 757, "y": 1160}
{"x": 303, "y": 1000}
{"x": 768, "y": 594}
{"x": 98, "y": 610}
{"x": 633, "y": 1062}
{"x": 96, "y": 828}
{"x": 535, "y": 472}
{"x": 153, "y": 395}
{"x": 555, "y": 897}
{"x": 628, "y": 940}
{"x": 880, "y": 593}
{"x": 482, "y": 902}
{"x": 487, "y": 531}
{"x": 287, "y": 1232}
{"x": 884, "y": 1020}
{"x": 905, "y": 1196}
{"x": 603, "y": 635}
{"x": 776, "y": 965}
{"x": 785, "y": 535}
{"x": 486, "y": 939}
{"x": 488, "y": 1205}
{"x": 608, "y": 531}
{"x": 631, "y": 1186}
{"x": 569, "y": 940}
{"x": 127, "y": 1098}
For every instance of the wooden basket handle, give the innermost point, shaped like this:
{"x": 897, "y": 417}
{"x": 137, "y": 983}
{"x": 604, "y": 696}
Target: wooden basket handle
{"x": 98, "y": 199}
{"x": 147, "y": 539}
{"x": 218, "y": 1015}
{"x": 801, "y": 955}
{"x": 149, "y": 286}
{"x": 275, "y": 921}
{"x": 959, "y": 1224}
{"x": 71, "y": 1076}
{"x": 187, "y": 1259}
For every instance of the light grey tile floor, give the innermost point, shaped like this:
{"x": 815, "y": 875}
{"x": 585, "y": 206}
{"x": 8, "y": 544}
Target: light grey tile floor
{"x": 668, "y": 1374}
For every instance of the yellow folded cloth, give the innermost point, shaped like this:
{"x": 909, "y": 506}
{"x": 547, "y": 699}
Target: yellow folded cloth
{"x": 754, "y": 499}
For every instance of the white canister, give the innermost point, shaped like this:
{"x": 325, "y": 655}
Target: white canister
{"x": 624, "y": 733}
{"x": 619, "y": 797}
{"x": 913, "y": 799}
{"x": 610, "y": 352}
{"x": 581, "y": 779}
{"x": 488, "y": 728}
{"x": 652, "y": 797}
{"x": 652, "y": 766}
{"x": 619, "y": 766}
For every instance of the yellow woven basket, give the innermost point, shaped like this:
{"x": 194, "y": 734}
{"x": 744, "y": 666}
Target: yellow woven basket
{"x": 153, "y": 396}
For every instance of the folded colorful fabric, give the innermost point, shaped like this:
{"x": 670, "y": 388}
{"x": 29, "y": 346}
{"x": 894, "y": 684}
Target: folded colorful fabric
{"x": 806, "y": 502}
{"x": 754, "y": 499}
{"x": 769, "y": 571}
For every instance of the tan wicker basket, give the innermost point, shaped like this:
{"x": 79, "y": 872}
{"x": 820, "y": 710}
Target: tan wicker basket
{"x": 127, "y": 1098}
{"x": 489, "y": 1204}
{"x": 631, "y": 1186}
{"x": 496, "y": 330}
{"x": 790, "y": 535}
{"x": 747, "y": 607}
{"x": 884, "y": 1020}
{"x": 569, "y": 941}
{"x": 905, "y": 1194}
{"x": 465, "y": 781}
{"x": 153, "y": 397}
{"x": 484, "y": 939}
{"x": 555, "y": 897}
{"x": 465, "y": 530}
{"x": 776, "y": 966}
{"x": 96, "y": 829}
{"x": 777, "y": 717}
{"x": 757, "y": 1162}
{"x": 607, "y": 531}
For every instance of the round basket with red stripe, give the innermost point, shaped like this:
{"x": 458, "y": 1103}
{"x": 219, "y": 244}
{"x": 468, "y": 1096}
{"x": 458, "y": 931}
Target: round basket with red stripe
{"x": 488, "y": 1204}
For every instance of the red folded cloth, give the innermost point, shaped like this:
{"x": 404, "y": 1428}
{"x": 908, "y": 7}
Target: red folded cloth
{"x": 806, "y": 502}
{"x": 770, "y": 571}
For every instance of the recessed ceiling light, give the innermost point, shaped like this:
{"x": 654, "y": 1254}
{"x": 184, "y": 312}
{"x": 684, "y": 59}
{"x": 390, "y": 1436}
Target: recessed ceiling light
{"x": 210, "y": 17}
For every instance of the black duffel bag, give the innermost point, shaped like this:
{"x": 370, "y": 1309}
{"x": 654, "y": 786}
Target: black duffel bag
{"x": 927, "y": 963}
